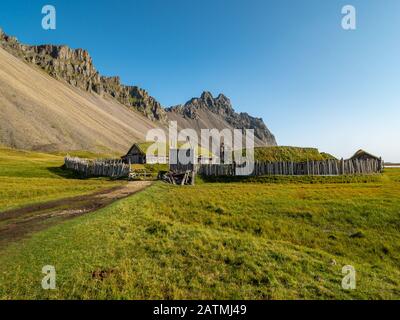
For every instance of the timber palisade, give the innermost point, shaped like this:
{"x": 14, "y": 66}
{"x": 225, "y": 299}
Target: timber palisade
{"x": 118, "y": 169}
{"x": 98, "y": 168}
{"x": 329, "y": 167}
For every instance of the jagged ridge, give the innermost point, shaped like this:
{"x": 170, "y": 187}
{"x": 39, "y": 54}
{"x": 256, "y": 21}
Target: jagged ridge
{"x": 222, "y": 107}
{"x": 76, "y": 68}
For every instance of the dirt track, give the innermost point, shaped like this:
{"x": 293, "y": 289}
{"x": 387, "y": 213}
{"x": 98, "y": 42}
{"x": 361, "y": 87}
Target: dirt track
{"x": 18, "y": 223}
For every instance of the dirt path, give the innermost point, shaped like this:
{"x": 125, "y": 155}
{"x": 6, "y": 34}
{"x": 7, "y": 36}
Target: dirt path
{"x": 18, "y": 223}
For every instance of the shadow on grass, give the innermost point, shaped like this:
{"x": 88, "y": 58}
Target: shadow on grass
{"x": 65, "y": 173}
{"x": 62, "y": 172}
{"x": 292, "y": 179}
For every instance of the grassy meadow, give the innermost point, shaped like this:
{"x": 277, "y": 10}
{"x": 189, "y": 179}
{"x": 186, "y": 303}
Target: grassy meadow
{"x": 253, "y": 240}
{"x": 30, "y": 177}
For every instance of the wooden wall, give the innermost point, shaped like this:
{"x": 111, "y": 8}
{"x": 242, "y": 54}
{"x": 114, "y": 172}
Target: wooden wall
{"x": 98, "y": 168}
{"x": 322, "y": 168}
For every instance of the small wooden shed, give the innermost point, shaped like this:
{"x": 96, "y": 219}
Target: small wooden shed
{"x": 138, "y": 154}
{"x": 364, "y": 155}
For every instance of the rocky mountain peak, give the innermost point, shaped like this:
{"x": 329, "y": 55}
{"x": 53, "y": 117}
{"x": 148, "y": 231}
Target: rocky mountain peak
{"x": 221, "y": 106}
{"x": 75, "y": 66}
{"x": 223, "y": 99}
{"x": 207, "y": 97}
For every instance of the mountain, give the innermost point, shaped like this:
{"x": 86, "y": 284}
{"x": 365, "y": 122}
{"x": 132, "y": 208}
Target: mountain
{"x": 38, "y": 112}
{"x": 53, "y": 98}
{"x": 209, "y": 112}
{"x": 76, "y": 68}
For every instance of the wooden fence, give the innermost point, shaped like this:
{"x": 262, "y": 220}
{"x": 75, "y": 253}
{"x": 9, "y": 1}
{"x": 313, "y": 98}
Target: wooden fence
{"x": 98, "y": 168}
{"x": 317, "y": 168}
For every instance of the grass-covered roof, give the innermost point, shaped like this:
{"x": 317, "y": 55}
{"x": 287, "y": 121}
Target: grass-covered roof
{"x": 296, "y": 154}
{"x": 144, "y": 146}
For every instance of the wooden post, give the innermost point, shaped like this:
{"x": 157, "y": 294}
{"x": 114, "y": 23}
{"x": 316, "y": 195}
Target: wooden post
{"x": 193, "y": 177}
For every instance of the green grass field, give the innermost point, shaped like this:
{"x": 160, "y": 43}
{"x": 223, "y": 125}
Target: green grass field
{"x": 30, "y": 177}
{"x": 221, "y": 241}
{"x": 285, "y": 153}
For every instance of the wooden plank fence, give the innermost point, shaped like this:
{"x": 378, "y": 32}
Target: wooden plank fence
{"x": 98, "y": 168}
{"x": 317, "y": 168}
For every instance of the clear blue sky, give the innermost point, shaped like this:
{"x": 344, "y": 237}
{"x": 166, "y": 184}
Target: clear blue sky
{"x": 287, "y": 61}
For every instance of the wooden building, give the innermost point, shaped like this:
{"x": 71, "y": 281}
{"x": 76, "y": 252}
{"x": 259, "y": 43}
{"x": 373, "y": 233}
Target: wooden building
{"x": 363, "y": 155}
{"x": 138, "y": 154}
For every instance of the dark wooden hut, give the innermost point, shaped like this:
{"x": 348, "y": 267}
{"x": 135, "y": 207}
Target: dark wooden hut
{"x": 137, "y": 154}
{"x": 363, "y": 155}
